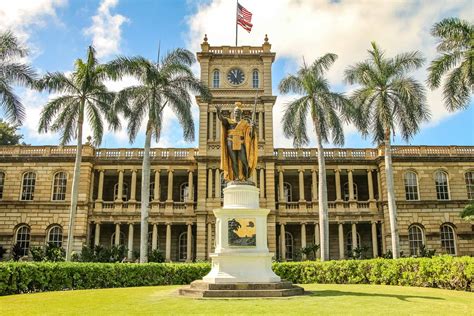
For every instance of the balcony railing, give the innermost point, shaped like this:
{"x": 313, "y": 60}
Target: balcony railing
{"x": 371, "y": 153}
{"x": 155, "y": 153}
{"x": 332, "y": 206}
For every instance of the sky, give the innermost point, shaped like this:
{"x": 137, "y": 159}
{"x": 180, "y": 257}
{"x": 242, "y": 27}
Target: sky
{"x": 57, "y": 32}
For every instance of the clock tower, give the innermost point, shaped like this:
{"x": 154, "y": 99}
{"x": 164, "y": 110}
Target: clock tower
{"x": 244, "y": 74}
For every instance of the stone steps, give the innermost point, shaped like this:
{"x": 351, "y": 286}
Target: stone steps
{"x": 276, "y": 289}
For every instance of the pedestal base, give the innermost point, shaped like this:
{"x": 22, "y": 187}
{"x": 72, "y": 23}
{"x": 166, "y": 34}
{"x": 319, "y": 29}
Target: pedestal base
{"x": 210, "y": 290}
{"x": 241, "y": 267}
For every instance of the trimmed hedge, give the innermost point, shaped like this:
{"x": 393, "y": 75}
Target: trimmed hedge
{"x": 445, "y": 272}
{"x": 455, "y": 273}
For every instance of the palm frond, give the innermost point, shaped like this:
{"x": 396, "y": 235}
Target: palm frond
{"x": 10, "y": 47}
{"x": 294, "y": 121}
{"x": 13, "y": 109}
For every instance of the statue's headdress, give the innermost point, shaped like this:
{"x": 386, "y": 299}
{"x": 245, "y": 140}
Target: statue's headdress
{"x": 238, "y": 106}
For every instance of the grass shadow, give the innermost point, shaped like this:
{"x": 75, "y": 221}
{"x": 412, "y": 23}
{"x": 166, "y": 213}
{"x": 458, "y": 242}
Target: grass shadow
{"x": 328, "y": 293}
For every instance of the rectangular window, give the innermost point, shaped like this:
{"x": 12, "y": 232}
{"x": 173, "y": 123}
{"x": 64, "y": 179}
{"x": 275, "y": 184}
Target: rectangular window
{"x": 442, "y": 190}
{"x": 2, "y": 182}
{"x": 411, "y": 186}
{"x": 469, "y": 177}
{"x": 59, "y": 186}
{"x": 28, "y": 186}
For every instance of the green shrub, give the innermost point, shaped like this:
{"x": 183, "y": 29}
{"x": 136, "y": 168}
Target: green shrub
{"x": 156, "y": 256}
{"x": 456, "y": 273}
{"x": 50, "y": 252}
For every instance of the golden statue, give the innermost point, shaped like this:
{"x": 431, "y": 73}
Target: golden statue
{"x": 239, "y": 147}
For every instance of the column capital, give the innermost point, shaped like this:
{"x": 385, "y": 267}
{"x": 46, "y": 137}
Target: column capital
{"x": 134, "y": 170}
{"x": 370, "y": 169}
{"x": 374, "y": 222}
{"x": 303, "y": 223}
{"x": 117, "y": 223}
{"x": 280, "y": 169}
{"x": 130, "y": 223}
{"x": 120, "y": 169}
{"x": 189, "y": 223}
{"x": 170, "y": 170}
{"x": 301, "y": 170}
{"x": 157, "y": 170}
{"x": 350, "y": 170}
{"x": 168, "y": 223}
{"x": 102, "y": 170}
{"x": 314, "y": 170}
{"x": 191, "y": 170}
{"x": 337, "y": 170}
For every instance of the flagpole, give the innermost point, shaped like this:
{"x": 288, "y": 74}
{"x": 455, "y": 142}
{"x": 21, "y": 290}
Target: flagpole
{"x": 236, "y": 17}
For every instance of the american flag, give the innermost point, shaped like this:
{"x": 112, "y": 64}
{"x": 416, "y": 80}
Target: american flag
{"x": 244, "y": 18}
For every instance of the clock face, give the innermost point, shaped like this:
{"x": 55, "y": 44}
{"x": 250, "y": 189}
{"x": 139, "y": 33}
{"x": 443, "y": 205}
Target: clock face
{"x": 235, "y": 76}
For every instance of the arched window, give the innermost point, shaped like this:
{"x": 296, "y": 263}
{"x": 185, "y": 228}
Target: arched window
{"x": 124, "y": 192}
{"x": 415, "y": 239}
{"x": 469, "y": 177}
{"x": 287, "y": 192}
{"x": 28, "y": 186}
{"x": 55, "y": 235}
{"x": 411, "y": 186}
{"x": 448, "y": 239}
{"x": 59, "y": 186}
{"x": 183, "y": 246}
{"x": 23, "y": 238}
{"x": 349, "y": 242}
{"x": 184, "y": 192}
{"x": 216, "y": 77}
{"x": 2, "y": 184}
{"x": 121, "y": 239}
{"x": 346, "y": 191}
{"x": 255, "y": 82}
{"x": 442, "y": 188}
{"x": 289, "y": 243}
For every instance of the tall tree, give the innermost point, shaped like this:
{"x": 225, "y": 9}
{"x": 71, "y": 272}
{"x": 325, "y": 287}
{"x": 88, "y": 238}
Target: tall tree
{"x": 83, "y": 97}
{"x": 166, "y": 82}
{"x": 388, "y": 99}
{"x": 327, "y": 110}
{"x": 8, "y": 134}
{"x": 13, "y": 71}
{"x": 456, "y": 61}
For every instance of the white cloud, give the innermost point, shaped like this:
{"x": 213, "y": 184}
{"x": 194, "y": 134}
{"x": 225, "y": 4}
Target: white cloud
{"x": 23, "y": 16}
{"x": 311, "y": 28}
{"x": 106, "y": 29}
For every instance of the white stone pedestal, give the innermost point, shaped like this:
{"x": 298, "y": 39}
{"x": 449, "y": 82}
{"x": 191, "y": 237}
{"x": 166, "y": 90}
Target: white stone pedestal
{"x": 241, "y": 259}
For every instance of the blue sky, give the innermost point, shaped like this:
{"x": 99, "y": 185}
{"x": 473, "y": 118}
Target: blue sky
{"x": 58, "y": 32}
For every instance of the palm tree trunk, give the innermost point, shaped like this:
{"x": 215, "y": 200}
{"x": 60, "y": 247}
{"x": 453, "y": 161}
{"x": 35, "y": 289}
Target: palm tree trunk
{"x": 75, "y": 184}
{"x": 392, "y": 207}
{"x": 323, "y": 198}
{"x": 145, "y": 200}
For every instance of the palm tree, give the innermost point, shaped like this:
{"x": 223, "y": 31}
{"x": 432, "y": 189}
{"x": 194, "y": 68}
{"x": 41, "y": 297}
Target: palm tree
{"x": 83, "y": 96}
{"x": 13, "y": 72}
{"x": 388, "y": 99}
{"x": 456, "y": 50}
{"x": 325, "y": 109}
{"x": 166, "y": 82}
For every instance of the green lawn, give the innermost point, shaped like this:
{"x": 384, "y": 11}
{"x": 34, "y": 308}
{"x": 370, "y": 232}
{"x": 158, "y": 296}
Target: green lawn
{"x": 321, "y": 299}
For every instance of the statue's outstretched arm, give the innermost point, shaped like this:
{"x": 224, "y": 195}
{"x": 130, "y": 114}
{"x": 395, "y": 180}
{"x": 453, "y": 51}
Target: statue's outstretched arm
{"x": 222, "y": 118}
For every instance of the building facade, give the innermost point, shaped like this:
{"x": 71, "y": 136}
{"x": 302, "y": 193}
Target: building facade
{"x": 432, "y": 184}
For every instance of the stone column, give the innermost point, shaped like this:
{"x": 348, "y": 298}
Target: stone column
{"x": 375, "y": 251}
{"x": 370, "y": 184}
{"x": 154, "y": 237}
{"x": 130, "y": 241}
{"x": 350, "y": 184}
{"x": 97, "y": 234}
{"x": 314, "y": 185}
{"x": 133, "y": 187}
{"x": 100, "y": 191}
{"x": 379, "y": 185}
{"x": 382, "y": 227}
{"x": 260, "y": 126}
{"x": 209, "y": 240}
{"x": 281, "y": 197}
{"x": 337, "y": 174}
{"x": 341, "y": 241}
{"x": 117, "y": 234}
{"x": 157, "y": 189}
{"x": 91, "y": 187}
{"x": 209, "y": 183}
{"x": 354, "y": 236}
{"x": 120, "y": 186}
{"x": 168, "y": 242}
{"x": 218, "y": 129}
{"x": 170, "y": 186}
{"x": 303, "y": 237}
{"x": 301, "y": 184}
{"x": 317, "y": 240}
{"x": 218, "y": 183}
{"x": 189, "y": 236}
{"x": 282, "y": 242}
{"x": 211, "y": 125}
{"x": 261, "y": 183}
{"x": 190, "y": 186}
